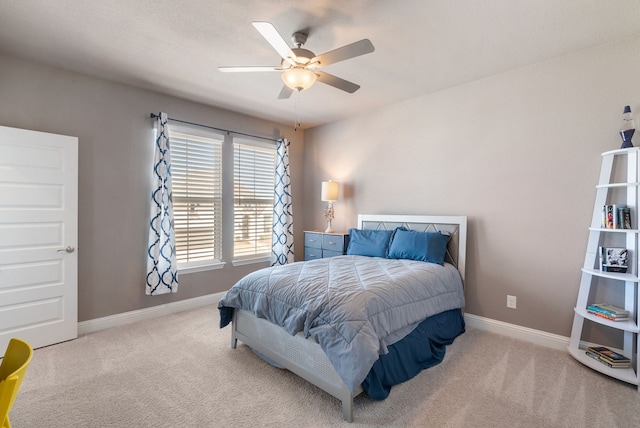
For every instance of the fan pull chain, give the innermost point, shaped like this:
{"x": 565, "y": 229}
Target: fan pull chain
{"x": 296, "y": 124}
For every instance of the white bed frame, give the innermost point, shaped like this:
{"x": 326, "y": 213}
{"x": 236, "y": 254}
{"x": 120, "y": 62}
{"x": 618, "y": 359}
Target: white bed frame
{"x": 304, "y": 357}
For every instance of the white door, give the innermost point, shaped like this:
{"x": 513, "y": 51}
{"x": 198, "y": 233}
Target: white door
{"x": 38, "y": 237}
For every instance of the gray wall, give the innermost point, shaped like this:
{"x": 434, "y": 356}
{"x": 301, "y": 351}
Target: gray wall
{"x": 519, "y": 153}
{"x": 115, "y": 136}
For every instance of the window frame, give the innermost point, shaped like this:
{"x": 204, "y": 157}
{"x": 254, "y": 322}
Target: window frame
{"x": 259, "y": 144}
{"x": 195, "y": 131}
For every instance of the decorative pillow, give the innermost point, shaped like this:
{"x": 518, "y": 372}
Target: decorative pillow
{"x": 372, "y": 243}
{"x": 423, "y": 246}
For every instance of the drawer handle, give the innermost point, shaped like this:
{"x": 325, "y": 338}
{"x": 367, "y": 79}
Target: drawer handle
{"x": 332, "y": 243}
{"x": 312, "y": 255}
{"x": 312, "y": 240}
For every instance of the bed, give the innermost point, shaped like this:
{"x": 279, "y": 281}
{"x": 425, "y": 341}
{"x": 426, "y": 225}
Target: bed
{"x": 358, "y": 322}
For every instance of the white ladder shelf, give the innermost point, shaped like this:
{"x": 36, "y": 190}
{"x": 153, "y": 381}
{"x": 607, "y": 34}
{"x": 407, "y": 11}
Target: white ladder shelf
{"x": 592, "y": 275}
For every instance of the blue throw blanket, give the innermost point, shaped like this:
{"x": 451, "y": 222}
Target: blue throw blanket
{"x": 353, "y": 306}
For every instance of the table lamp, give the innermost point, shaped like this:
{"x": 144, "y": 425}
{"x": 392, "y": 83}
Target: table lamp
{"x": 330, "y": 195}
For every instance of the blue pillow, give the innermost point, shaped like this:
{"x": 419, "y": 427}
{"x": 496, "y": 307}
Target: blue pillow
{"x": 423, "y": 246}
{"x": 372, "y": 243}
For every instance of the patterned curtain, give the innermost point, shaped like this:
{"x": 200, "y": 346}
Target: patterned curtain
{"x": 162, "y": 268}
{"x": 282, "y": 242}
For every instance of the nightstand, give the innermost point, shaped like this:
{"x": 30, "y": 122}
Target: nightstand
{"x": 320, "y": 245}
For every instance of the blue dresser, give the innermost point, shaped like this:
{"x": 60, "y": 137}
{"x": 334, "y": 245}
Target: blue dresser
{"x": 320, "y": 245}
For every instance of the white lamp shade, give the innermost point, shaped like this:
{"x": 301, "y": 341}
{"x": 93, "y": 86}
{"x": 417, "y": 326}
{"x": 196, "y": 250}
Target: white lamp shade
{"x": 330, "y": 191}
{"x": 299, "y": 78}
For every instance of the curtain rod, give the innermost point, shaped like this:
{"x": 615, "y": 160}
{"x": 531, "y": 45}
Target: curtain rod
{"x": 228, "y": 131}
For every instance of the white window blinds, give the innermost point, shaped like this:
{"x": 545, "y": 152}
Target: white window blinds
{"x": 196, "y": 166}
{"x": 254, "y": 174}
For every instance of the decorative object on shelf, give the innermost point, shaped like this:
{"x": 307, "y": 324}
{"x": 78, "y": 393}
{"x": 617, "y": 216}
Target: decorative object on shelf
{"x": 613, "y": 259}
{"x": 329, "y": 194}
{"x": 627, "y": 128}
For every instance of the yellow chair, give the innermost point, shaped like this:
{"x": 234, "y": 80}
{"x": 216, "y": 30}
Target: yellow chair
{"x": 12, "y": 370}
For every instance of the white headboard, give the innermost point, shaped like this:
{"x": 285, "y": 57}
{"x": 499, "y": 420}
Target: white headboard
{"x": 454, "y": 226}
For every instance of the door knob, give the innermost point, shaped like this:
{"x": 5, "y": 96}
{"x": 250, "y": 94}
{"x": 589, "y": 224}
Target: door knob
{"x": 69, "y": 249}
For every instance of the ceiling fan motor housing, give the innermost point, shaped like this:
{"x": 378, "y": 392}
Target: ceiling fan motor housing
{"x": 303, "y": 57}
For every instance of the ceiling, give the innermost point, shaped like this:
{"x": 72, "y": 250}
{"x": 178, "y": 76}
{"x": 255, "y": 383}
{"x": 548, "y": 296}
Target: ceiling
{"x": 421, "y": 46}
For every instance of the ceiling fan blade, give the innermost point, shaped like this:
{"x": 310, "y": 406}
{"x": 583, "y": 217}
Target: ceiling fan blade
{"x": 285, "y": 92}
{"x": 274, "y": 38}
{"x": 243, "y": 69}
{"x": 355, "y": 49}
{"x": 337, "y": 82}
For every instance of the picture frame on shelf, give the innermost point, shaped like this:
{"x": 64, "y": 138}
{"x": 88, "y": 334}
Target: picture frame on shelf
{"x": 613, "y": 259}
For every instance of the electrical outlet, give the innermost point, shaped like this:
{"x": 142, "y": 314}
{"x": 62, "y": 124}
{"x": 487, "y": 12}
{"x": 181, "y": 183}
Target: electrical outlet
{"x": 511, "y": 301}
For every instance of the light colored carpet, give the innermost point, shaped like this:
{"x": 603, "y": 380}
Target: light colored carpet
{"x": 180, "y": 371}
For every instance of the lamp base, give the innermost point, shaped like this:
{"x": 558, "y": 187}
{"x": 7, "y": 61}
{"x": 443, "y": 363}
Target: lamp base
{"x": 626, "y": 138}
{"x": 329, "y": 229}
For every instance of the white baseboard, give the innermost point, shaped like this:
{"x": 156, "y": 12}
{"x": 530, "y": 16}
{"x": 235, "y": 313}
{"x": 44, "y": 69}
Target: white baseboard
{"x": 538, "y": 337}
{"x": 98, "y": 324}
{"x": 511, "y": 330}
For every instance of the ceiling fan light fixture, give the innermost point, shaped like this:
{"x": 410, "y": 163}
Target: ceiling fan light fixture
{"x": 299, "y": 78}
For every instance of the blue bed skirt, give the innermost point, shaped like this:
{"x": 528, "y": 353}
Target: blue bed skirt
{"x": 424, "y": 347}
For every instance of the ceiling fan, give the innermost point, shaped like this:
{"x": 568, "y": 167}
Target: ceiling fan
{"x": 299, "y": 66}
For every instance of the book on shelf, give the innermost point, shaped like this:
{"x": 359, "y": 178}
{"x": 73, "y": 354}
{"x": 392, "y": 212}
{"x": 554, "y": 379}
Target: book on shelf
{"x": 607, "y": 216}
{"x": 626, "y": 218}
{"x": 608, "y": 355}
{"x": 597, "y": 357}
{"x": 613, "y": 259}
{"x": 616, "y": 216}
{"x": 607, "y": 317}
{"x": 608, "y": 309}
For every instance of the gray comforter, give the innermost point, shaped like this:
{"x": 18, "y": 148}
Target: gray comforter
{"x": 353, "y": 306}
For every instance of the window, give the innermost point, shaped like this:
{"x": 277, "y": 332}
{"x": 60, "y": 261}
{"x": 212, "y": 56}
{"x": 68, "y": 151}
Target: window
{"x": 196, "y": 167}
{"x": 254, "y": 167}
{"x": 204, "y": 179}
